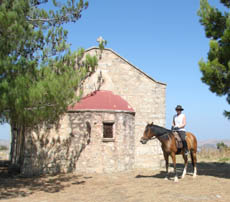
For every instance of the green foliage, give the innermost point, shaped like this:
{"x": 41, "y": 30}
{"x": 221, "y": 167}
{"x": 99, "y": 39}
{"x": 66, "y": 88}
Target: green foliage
{"x": 224, "y": 159}
{"x": 39, "y": 75}
{"x": 216, "y": 71}
{"x": 226, "y": 3}
{"x": 102, "y": 44}
{"x": 3, "y": 148}
{"x": 221, "y": 146}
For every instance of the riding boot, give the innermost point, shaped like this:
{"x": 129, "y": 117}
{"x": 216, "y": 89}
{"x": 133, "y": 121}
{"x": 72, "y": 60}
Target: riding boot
{"x": 185, "y": 146}
{"x": 183, "y": 138}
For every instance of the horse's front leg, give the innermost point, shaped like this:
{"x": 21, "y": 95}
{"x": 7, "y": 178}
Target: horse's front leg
{"x": 185, "y": 165}
{"x": 166, "y": 157}
{"x": 173, "y": 155}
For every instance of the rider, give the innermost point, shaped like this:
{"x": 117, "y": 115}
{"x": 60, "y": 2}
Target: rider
{"x": 179, "y": 122}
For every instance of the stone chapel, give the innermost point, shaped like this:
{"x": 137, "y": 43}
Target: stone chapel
{"x": 102, "y": 132}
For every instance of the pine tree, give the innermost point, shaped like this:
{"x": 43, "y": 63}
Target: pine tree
{"x": 39, "y": 75}
{"x": 216, "y": 70}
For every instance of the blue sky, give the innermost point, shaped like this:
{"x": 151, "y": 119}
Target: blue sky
{"x": 165, "y": 40}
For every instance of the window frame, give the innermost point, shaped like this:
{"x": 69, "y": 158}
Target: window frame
{"x": 108, "y": 139}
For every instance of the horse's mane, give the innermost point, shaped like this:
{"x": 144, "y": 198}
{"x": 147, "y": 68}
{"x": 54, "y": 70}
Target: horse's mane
{"x": 158, "y": 130}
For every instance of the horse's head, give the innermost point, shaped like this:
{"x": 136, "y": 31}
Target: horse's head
{"x": 147, "y": 134}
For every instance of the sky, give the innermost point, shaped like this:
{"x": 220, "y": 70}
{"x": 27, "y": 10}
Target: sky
{"x": 166, "y": 41}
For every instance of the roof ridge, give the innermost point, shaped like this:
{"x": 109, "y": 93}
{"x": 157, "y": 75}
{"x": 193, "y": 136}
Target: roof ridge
{"x": 111, "y": 50}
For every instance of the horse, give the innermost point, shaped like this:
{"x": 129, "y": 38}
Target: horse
{"x": 168, "y": 145}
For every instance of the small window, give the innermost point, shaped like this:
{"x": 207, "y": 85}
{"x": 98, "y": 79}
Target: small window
{"x": 108, "y": 132}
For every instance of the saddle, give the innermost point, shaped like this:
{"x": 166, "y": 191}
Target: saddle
{"x": 179, "y": 143}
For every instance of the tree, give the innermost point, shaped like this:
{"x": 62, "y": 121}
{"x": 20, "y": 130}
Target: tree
{"x": 39, "y": 75}
{"x": 216, "y": 71}
{"x": 221, "y": 146}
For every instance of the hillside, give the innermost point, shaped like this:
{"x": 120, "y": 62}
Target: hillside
{"x": 212, "y": 143}
{"x": 4, "y": 142}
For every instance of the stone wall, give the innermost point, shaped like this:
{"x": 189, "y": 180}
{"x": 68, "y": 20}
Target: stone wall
{"x": 52, "y": 149}
{"x": 76, "y": 144}
{"x": 145, "y": 95}
{"x": 103, "y": 155}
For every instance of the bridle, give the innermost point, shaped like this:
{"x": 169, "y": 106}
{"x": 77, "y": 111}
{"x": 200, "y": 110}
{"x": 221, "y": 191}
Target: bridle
{"x": 155, "y": 137}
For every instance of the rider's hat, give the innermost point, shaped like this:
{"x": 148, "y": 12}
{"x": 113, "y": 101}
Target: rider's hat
{"x": 179, "y": 107}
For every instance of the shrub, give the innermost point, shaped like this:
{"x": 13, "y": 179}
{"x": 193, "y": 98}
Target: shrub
{"x": 3, "y": 147}
{"x": 221, "y": 146}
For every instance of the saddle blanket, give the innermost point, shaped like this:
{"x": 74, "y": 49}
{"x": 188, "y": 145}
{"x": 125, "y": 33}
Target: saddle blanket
{"x": 179, "y": 143}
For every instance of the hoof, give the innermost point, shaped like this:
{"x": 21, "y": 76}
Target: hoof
{"x": 166, "y": 178}
{"x": 175, "y": 179}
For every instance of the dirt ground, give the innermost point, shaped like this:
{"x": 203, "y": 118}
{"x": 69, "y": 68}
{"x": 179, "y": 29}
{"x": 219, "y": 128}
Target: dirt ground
{"x": 211, "y": 184}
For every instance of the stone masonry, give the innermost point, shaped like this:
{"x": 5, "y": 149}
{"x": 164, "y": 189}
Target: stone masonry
{"x": 71, "y": 146}
{"x": 144, "y": 94}
{"x": 101, "y": 155}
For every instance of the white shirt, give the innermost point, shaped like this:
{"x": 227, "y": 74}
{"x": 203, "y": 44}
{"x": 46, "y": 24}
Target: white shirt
{"x": 178, "y": 120}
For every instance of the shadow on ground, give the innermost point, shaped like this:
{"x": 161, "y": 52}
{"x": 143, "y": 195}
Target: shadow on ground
{"x": 214, "y": 169}
{"x": 13, "y": 186}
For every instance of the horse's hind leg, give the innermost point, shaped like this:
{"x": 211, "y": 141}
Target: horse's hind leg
{"x": 166, "y": 156}
{"x": 185, "y": 165}
{"x": 194, "y": 161}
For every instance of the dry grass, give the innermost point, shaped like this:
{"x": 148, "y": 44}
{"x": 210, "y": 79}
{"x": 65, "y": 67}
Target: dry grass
{"x": 4, "y": 154}
{"x": 222, "y": 155}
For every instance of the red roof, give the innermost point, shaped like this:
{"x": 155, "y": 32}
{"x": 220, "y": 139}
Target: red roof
{"x": 102, "y": 100}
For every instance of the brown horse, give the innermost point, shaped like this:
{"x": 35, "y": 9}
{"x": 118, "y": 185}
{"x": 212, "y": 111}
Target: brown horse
{"x": 168, "y": 145}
